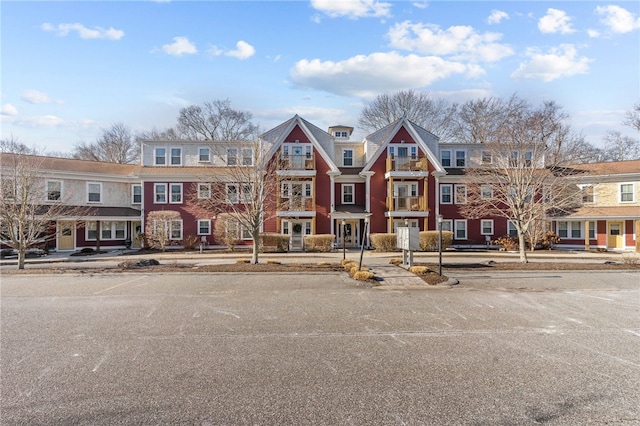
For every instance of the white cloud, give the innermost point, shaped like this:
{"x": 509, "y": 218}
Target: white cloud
{"x": 352, "y": 9}
{"x": 420, "y": 5}
{"x": 243, "y": 50}
{"x": 561, "y": 61}
{"x": 36, "y": 121}
{"x": 555, "y": 21}
{"x": 618, "y": 19}
{"x": 593, "y": 33}
{"x": 460, "y": 42}
{"x": 367, "y": 76}
{"x": 84, "y": 32}
{"x": 179, "y": 47}
{"x": 497, "y": 16}
{"x": 8, "y": 109}
{"x": 36, "y": 97}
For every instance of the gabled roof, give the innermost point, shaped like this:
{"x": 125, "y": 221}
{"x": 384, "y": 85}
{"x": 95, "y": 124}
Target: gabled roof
{"x": 321, "y": 140}
{"x": 377, "y": 142}
{"x": 56, "y": 164}
{"x": 609, "y": 168}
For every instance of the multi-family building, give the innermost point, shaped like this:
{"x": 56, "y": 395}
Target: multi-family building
{"x": 400, "y": 175}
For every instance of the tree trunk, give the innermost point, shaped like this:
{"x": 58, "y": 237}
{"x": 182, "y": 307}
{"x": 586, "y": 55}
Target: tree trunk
{"x": 21, "y": 255}
{"x": 522, "y": 248}
{"x": 254, "y": 255}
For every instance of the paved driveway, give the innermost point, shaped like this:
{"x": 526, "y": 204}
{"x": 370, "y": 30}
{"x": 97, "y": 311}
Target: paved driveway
{"x": 557, "y": 348}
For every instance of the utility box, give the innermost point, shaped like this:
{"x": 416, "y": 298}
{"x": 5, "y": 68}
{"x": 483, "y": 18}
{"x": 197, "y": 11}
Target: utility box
{"x": 408, "y": 240}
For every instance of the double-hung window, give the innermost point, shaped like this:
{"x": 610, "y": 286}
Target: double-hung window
{"x": 160, "y": 193}
{"x": 54, "y": 190}
{"x": 94, "y": 192}
{"x": 626, "y": 193}
{"x": 175, "y": 231}
{"x": 347, "y": 157}
{"x": 176, "y": 156}
{"x": 486, "y": 192}
{"x": 204, "y": 227}
{"x": 570, "y": 230}
{"x": 447, "y": 225}
{"x": 204, "y": 155}
{"x": 204, "y": 191}
{"x": 160, "y": 156}
{"x": 232, "y": 156}
{"x": 176, "y": 193}
{"x": 348, "y": 193}
{"x": 461, "y": 158}
{"x": 136, "y": 194}
{"x": 460, "y": 232}
{"x": 247, "y": 157}
{"x": 487, "y": 157}
{"x": 511, "y": 229}
{"x": 232, "y": 193}
{"x": 445, "y": 158}
{"x": 445, "y": 194}
{"x": 588, "y": 194}
{"x": 486, "y": 227}
{"x": 461, "y": 194}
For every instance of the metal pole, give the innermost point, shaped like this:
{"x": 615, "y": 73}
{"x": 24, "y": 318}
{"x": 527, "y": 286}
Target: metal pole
{"x": 366, "y": 222}
{"x": 440, "y": 246}
{"x": 344, "y": 251}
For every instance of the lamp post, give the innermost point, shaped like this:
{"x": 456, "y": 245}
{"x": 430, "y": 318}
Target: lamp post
{"x": 364, "y": 235}
{"x": 344, "y": 250}
{"x": 439, "y": 218}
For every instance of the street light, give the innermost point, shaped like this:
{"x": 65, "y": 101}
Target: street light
{"x": 439, "y": 218}
{"x": 344, "y": 251}
{"x": 363, "y": 237}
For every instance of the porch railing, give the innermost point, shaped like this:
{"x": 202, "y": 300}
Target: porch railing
{"x": 302, "y": 204}
{"x": 297, "y": 162}
{"x": 407, "y": 164}
{"x": 406, "y": 204}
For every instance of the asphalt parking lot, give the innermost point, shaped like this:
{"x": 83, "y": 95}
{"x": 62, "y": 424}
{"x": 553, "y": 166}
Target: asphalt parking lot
{"x": 523, "y": 348}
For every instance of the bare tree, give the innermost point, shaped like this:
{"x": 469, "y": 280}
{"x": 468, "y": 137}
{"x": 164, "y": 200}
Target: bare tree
{"x": 29, "y": 209}
{"x": 244, "y": 191}
{"x": 632, "y": 117}
{"x": 169, "y": 134}
{"x": 215, "y": 121}
{"x": 434, "y": 115}
{"x": 516, "y": 184}
{"x": 114, "y": 145}
{"x": 158, "y": 228}
{"x": 13, "y": 146}
{"x": 618, "y": 147}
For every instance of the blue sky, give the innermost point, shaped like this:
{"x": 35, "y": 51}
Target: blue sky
{"x": 71, "y": 68}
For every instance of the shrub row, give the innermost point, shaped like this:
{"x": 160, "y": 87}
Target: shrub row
{"x": 428, "y": 241}
{"x": 274, "y": 242}
{"x": 319, "y": 243}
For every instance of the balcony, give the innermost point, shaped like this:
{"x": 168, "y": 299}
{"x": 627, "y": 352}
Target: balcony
{"x": 406, "y": 204}
{"x": 296, "y": 204}
{"x": 297, "y": 162}
{"x": 407, "y": 164}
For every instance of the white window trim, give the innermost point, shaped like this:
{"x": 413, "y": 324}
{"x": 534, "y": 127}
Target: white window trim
{"x": 133, "y": 186}
{"x": 344, "y": 157}
{"x": 200, "y": 193}
{"x": 155, "y": 193}
{"x": 353, "y": 193}
{"x": 47, "y": 190}
{"x": 171, "y": 229}
{"x": 633, "y": 192}
{"x": 449, "y": 222}
{"x": 243, "y": 157}
{"x": 482, "y": 222}
{"x": 451, "y": 194}
{"x": 456, "y": 227}
{"x": 584, "y": 188}
{"x": 450, "y": 159}
{"x": 208, "y": 222}
{"x": 100, "y": 192}
{"x": 511, "y": 224}
{"x": 490, "y": 190}
{"x": 490, "y": 154}
{"x": 155, "y": 156}
{"x": 113, "y": 230}
{"x": 570, "y": 229}
{"x": 171, "y": 156}
{"x": 455, "y": 158}
{"x": 171, "y": 185}
{"x": 208, "y": 160}
{"x": 229, "y": 200}
{"x": 455, "y": 193}
{"x": 237, "y": 154}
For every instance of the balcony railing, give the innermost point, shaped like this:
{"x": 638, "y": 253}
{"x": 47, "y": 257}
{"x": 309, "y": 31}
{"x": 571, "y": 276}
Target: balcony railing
{"x": 297, "y": 162}
{"x": 407, "y": 164}
{"x": 406, "y": 204}
{"x": 295, "y": 204}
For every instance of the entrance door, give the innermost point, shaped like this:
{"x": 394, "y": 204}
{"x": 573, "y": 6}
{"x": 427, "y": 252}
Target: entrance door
{"x": 66, "y": 235}
{"x": 351, "y": 233}
{"x": 296, "y": 236}
{"x": 136, "y": 241}
{"x": 615, "y": 235}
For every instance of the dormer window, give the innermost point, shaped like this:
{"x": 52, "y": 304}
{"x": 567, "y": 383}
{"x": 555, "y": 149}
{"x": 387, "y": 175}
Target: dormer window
{"x": 347, "y": 158}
